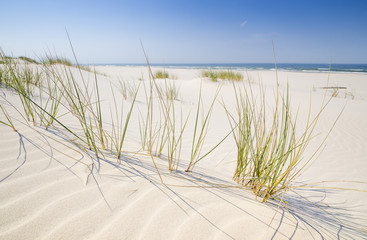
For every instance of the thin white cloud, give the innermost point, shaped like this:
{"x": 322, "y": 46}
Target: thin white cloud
{"x": 243, "y": 23}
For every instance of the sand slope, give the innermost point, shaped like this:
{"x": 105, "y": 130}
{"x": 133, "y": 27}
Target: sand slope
{"x": 51, "y": 189}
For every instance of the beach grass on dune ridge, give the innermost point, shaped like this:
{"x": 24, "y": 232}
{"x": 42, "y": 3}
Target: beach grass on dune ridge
{"x": 23, "y": 80}
{"x": 200, "y": 131}
{"x": 56, "y": 60}
{"x": 62, "y": 89}
{"x": 222, "y": 75}
{"x": 269, "y": 155}
{"x": 172, "y": 136}
{"x": 161, "y": 75}
{"x": 28, "y": 59}
{"x": 118, "y": 132}
{"x": 167, "y": 134}
{"x": 127, "y": 89}
{"x": 42, "y": 89}
{"x": 53, "y": 60}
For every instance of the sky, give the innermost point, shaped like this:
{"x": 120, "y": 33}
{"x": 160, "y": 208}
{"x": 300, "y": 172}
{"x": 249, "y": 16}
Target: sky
{"x": 187, "y": 31}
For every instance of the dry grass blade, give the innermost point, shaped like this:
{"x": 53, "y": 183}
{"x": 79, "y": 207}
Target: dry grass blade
{"x": 202, "y": 130}
{"x": 9, "y": 122}
{"x": 127, "y": 123}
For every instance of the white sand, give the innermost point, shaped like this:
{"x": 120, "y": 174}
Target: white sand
{"x": 47, "y": 191}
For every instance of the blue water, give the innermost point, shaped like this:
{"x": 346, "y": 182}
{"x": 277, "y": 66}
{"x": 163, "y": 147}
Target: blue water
{"x": 361, "y": 68}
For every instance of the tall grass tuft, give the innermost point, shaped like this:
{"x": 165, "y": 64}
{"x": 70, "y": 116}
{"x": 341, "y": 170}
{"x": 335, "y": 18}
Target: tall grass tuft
{"x": 57, "y": 86}
{"x": 161, "y": 75}
{"x": 172, "y": 132}
{"x": 56, "y": 60}
{"x": 145, "y": 123}
{"x": 97, "y": 116}
{"x": 269, "y": 154}
{"x": 29, "y": 60}
{"x": 127, "y": 89}
{"x": 53, "y": 95}
{"x": 170, "y": 90}
{"x": 150, "y": 134}
{"x": 167, "y": 133}
{"x": 22, "y": 80}
{"x": 119, "y": 130}
{"x": 223, "y": 75}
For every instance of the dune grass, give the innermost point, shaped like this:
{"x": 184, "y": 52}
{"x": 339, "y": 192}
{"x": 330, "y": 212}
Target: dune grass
{"x": 53, "y": 97}
{"x": 58, "y": 87}
{"x": 222, "y": 75}
{"x": 168, "y": 133}
{"x": 56, "y": 60}
{"x": 85, "y": 109}
{"x": 9, "y": 121}
{"x": 13, "y": 74}
{"x": 161, "y": 75}
{"x": 270, "y": 147}
{"x": 170, "y": 90}
{"x": 22, "y": 80}
{"x": 172, "y": 134}
{"x": 145, "y": 123}
{"x": 164, "y": 130}
{"x": 25, "y": 81}
{"x": 4, "y": 58}
{"x": 269, "y": 154}
{"x": 127, "y": 89}
{"x": 53, "y": 60}
{"x": 28, "y": 59}
{"x": 119, "y": 130}
{"x": 200, "y": 131}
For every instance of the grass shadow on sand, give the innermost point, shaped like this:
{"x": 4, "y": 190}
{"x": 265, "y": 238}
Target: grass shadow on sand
{"x": 322, "y": 221}
{"x": 21, "y": 149}
{"x": 333, "y": 221}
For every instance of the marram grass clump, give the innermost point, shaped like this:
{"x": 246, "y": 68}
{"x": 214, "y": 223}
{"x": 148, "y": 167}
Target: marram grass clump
{"x": 29, "y": 60}
{"x": 43, "y": 89}
{"x": 161, "y": 75}
{"x": 57, "y": 60}
{"x": 270, "y": 145}
{"x": 223, "y": 75}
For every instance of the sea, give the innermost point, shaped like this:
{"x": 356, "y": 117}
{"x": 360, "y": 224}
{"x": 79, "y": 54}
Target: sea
{"x": 355, "y": 68}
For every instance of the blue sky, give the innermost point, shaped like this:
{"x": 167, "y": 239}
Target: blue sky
{"x": 188, "y": 31}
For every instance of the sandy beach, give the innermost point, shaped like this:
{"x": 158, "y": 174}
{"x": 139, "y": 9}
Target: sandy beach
{"x": 54, "y": 187}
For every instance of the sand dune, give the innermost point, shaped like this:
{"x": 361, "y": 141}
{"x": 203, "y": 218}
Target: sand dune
{"x": 52, "y": 189}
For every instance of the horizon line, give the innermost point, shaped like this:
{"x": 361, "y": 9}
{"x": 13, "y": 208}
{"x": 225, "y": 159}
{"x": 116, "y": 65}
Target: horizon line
{"x": 221, "y": 63}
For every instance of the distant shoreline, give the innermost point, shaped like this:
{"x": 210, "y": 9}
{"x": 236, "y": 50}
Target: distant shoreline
{"x": 349, "y": 68}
